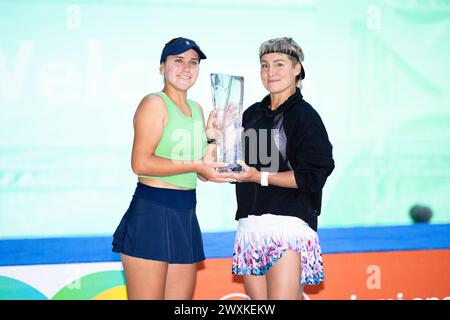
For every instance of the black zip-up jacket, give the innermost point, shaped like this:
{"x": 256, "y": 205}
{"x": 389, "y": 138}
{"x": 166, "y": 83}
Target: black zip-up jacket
{"x": 295, "y": 139}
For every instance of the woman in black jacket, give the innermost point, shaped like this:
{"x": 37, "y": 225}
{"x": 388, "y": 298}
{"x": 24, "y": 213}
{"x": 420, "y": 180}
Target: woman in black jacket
{"x": 288, "y": 158}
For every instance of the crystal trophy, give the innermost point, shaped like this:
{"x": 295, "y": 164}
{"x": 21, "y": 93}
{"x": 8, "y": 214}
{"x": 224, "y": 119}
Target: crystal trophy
{"x": 228, "y": 96}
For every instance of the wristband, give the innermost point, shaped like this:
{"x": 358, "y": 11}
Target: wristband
{"x": 264, "y": 179}
{"x": 211, "y": 141}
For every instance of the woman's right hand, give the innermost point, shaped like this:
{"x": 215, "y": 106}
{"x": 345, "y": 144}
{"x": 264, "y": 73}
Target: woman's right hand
{"x": 207, "y": 170}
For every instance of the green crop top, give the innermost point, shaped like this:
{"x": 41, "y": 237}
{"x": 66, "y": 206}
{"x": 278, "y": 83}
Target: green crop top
{"x": 183, "y": 139}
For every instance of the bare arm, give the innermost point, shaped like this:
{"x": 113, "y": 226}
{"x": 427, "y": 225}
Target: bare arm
{"x": 281, "y": 179}
{"x": 210, "y": 154}
{"x": 149, "y": 120}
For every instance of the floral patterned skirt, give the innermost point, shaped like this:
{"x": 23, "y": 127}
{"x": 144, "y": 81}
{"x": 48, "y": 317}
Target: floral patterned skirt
{"x": 262, "y": 240}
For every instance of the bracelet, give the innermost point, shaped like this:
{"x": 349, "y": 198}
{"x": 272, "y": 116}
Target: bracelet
{"x": 211, "y": 141}
{"x": 264, "y": 179}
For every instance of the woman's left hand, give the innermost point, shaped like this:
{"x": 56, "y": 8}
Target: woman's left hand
{"x": 212, "y": 125}
{"x": 249, "y": 174}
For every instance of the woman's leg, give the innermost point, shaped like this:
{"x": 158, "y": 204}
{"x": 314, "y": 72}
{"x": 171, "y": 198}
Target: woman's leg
{"x": 180, "y": 281}
{"x": 283, "y": 278}
{"x": 145, "y": 278}
{"x": 256, "y": 287}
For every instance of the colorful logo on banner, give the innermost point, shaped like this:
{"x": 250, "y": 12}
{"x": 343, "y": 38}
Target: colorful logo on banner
{"x": 104, "y": 285}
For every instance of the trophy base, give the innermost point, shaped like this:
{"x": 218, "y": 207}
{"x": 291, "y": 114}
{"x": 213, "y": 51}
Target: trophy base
{"x": 230, "y": 168}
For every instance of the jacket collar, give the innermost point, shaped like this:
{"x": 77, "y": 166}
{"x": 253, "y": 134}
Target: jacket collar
{"x": 265, "y": 103}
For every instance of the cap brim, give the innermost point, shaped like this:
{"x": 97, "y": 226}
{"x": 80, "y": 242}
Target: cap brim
{"x": 201, "y": 55}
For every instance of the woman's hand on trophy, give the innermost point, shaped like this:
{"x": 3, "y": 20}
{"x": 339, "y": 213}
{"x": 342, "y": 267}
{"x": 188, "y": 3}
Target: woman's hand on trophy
{"x": 249, "y": 174}
{"x": 222, "y": 119}
{"x": 207, "y": 170}
{"x": 212, "y": 127}
{"x": 232, "y": 116}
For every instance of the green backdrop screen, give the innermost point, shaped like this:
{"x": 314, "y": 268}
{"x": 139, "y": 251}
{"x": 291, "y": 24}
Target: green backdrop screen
{"x": 73, "y": 72}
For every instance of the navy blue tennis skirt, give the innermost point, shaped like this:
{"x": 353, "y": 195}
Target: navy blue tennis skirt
{"x": 160, "y": 224}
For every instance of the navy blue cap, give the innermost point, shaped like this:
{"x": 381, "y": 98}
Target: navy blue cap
{"x": 180, "y": 45}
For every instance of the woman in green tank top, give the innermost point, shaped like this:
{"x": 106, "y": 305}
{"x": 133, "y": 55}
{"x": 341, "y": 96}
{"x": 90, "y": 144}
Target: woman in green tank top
{"x": 159, "y": 236}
